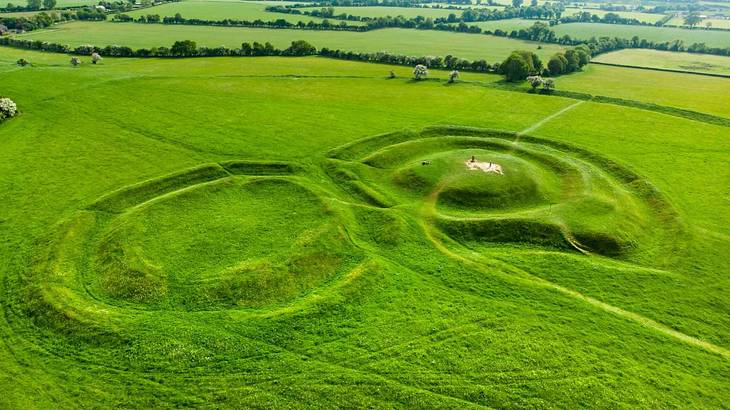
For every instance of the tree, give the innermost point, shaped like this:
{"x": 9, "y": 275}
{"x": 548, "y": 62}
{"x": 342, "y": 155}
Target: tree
{"x": 49, "y": 4}
{"x": 95, "y": 58}
{"x": 34, "y": 4}
{"x": 453, "y": 76}
{"x": 517, "y": 3}
{"x": 300, "y": 48}
{"x": 692, "y": 19}
{"x": 557, "y": 64}
{"x": 533, "y": 3}
{"x": 573, "y": 60}
{"x": 519, "y": 65}
{"x": 7, "y": 108}
{"x": 535, "y": 81}
{"x": 75, "y": 61}
{"x": 548, "y": 85}
{"x": 184, "y": 48}
{"x": 584, "y": 54}
{"x": 420, "y": 72}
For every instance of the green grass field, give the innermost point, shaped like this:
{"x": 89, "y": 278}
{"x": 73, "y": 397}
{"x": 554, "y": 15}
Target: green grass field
{"x": 75, "y": 3}
{"x": 700, "y": 63}
{"x": 221, "y": 10}
{"x": 506, "y": 25}
{"x": 645, "y": 17}
{"x": 399, "y": 41}
{"x": 262, "y": 232}
{"x": 660, "y": 34}
{"x": 715, "y": 23}
{"x": 19, "y": 14}
{"x": 393, "y": 11}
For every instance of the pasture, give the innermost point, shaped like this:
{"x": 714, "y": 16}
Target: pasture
{"x": 699, "y": 63}
{"x": 657, "y": 34}
{"x": 686, "y": 91}
{"x": 375, "y": 12}
{"x": 397, "y": 41}
{"x": 714, "y": 23}
{"x": 221, "y": 10}
{"x": 262, "y": 232}
{"x": 506, "y": 25}
{"x": 645, "y": 17}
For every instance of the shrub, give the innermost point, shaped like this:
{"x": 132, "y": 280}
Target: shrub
{"x": 548, "y": 85}
{"x": 453, "y": 76}
{"x": 22, "y": 62}
{"x": 420, "y": 72}
{"x": 95, "y": 58}
{"x": 535, "y": 81}
{"x": 8, "y": 108}
{"x": 75, "y": 61}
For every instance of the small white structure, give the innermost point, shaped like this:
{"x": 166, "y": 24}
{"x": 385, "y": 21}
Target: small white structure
{"x": 475, "y": 165}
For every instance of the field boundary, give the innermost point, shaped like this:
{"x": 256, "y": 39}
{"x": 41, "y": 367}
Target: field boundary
{"x": 667, "y": 70}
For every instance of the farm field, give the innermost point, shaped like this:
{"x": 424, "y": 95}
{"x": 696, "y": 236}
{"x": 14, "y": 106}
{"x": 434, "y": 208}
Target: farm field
{"x": 687, "y": 91}
{"x": 659, "y": 34}
{"x": 700, "y": 63}
{"x": 398, "y": 41}
{"x": 645, "y": 17}
{"x": 221, "y": 10}
{"x": 506, "y": 24}
{"x": 393, "y": 11}
{"x": 75, "y": 3}
{"x": 261, "y": 232}
{"x": 19, "y": 14}
{"x": 464, "y": 6}
{"x": 716, "y": 23}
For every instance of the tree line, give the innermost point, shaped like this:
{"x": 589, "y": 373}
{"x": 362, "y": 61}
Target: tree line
{"x": 43, "y": 19}
{"x": 520, "y": 65}
{"x": 541, "y": 32}
{"x": 469, "y": 15}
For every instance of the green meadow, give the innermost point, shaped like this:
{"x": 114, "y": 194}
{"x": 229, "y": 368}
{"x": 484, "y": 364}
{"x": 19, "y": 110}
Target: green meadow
{"x": 305, "y": 232}
{"x": 658, "y": 34}
{"x": 221, "y": 10}
{"x": 397, "y": 41}
{"x": 506, "y": 25}
{"x": 714, "y": 22}
{"x": 375, "y": 12}
{"x": 686, "y": 91}
{"x": 700, "y": 63}
{"x": 645, "y": 17}
{"x": 19, "y": 14}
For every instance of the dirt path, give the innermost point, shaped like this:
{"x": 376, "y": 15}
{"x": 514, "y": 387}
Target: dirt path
{"x": 549, "y": 117}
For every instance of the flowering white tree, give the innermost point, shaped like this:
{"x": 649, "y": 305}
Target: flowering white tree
{"x": 535, "y": 81}
{"x": 453, "y": 76}
{"x": 420, "y": 72}
{"x": 95, "y": 58}
{"x": 7, "y": 108}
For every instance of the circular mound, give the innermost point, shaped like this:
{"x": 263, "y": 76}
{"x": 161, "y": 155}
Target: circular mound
{"x": 479, "y": 180}
{"x": 231, "y": 243}
{"x": 485, "y": 187}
